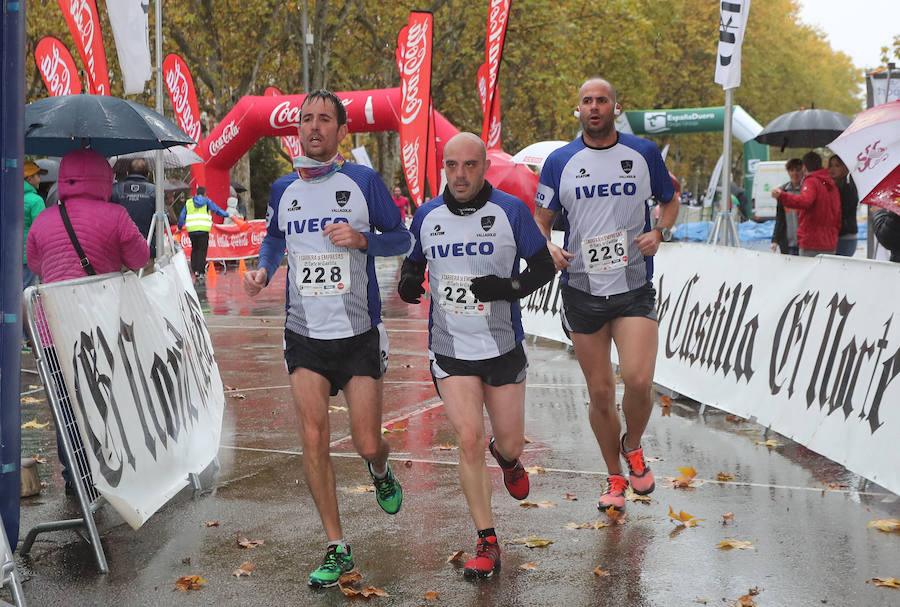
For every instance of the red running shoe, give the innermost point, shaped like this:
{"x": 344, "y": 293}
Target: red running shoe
{"x": 639, "y": 474}
{"x": 614, "y": 496}
{"x": 486, "y": 560}
{"x": 515, "y": 478}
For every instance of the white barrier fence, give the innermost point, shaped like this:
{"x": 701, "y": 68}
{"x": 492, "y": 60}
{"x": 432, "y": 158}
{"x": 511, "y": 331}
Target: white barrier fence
{"x": 148, "y": 397}
{"x": 810, "y": 347}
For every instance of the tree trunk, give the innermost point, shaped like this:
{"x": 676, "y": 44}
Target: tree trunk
{"x": 240, "y": 173}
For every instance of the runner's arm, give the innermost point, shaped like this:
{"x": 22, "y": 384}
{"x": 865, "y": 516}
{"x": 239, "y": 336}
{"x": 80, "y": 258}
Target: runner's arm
{"x": 271, "y": 253}
{"x": 539, "y": 272}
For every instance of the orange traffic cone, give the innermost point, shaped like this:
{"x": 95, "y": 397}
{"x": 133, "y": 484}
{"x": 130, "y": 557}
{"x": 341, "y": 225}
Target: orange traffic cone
{"x": 211, "y": 273}
{"x": 242, "y": 267}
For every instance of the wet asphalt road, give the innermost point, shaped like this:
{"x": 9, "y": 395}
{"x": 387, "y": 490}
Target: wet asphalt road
{"x": 805, "y": 516}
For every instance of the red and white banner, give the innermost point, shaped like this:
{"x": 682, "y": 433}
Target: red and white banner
{"x": 489, "y": 72}
{"x": 84, "y": 24}
{"x": 229, "y": 241}
{"x": 57, "y": 68}
{"x": 183, "y": 96}
{"x": 414, "y": 62}
{"x": 289, "y": 143}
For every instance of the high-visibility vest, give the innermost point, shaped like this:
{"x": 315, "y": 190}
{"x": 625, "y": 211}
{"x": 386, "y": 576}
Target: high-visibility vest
{"x": 196, "y": 219}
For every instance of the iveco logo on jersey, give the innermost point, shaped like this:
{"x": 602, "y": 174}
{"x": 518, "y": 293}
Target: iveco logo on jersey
{"x": 313, "y": 224}
{"x": 460, "y": 249}
{"x": 605, "y": 189}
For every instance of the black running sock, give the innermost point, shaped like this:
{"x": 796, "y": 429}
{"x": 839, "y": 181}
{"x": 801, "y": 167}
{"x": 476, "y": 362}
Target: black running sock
{"x": 486, "y": 533}
{"x": 504, "y": 463}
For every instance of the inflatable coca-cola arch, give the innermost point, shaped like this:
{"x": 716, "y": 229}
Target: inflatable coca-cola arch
{"x": 274, "y": 116}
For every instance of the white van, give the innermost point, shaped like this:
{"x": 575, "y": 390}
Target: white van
{"x": 769, "y": 174}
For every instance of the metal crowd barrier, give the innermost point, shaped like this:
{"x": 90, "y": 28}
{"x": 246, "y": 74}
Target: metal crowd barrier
{"x": 89, "y": 498}
{"x": 8, "y": 574}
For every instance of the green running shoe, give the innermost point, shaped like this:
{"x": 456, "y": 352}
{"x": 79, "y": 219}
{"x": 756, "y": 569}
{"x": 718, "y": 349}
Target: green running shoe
{"x": 336, "y": 561}
{"x": 388, "y": 492}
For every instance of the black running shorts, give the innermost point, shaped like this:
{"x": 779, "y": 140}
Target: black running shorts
{"x": 585, "y": 313}
{"x": 337, "y": 360}
{"x": 509, "y": 368}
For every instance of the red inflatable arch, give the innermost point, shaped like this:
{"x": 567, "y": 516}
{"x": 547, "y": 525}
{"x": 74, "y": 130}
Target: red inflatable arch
{"x": 367, "y": 111}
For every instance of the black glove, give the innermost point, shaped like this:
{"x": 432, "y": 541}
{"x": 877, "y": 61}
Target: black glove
{"x": 412, "y": 275}
{"x": 492, "y": 288}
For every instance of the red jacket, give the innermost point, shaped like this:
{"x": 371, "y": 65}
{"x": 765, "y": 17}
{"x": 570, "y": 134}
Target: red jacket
{"x": 819, "y": 203}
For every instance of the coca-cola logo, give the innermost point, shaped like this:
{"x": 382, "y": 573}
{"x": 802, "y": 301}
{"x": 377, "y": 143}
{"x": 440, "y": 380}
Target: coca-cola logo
{"x": 411, "y": 166}
{"x": 414, "y": 56}
{"x": 82, "y": 17}
{"x": 482, "y": 89}
{"x": 228, "y": 133}
{"x": 56, "y": 73}
{"x": 285, "y": 115}
{"x": 257, "y": 237}
{"x": 496, "y": 25}
{"x": 494, "y": 132}
{"x": 179, "y": 90}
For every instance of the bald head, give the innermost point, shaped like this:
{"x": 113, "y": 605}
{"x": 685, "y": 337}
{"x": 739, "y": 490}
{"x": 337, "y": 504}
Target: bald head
{"x": 597, "y": 80}
{"x": 465, "y": 162}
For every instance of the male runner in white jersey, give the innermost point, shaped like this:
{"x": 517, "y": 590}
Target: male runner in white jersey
{"x": 326, "y": 214}
{"x": 472, "y": 238}
{"x": 600, "y": 182}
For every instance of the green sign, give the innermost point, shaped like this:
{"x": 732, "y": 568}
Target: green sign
{"x": 691, "y": 120}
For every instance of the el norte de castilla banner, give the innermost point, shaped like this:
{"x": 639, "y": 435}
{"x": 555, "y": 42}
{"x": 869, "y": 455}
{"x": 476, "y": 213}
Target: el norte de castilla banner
{"x": 807, "y": 347}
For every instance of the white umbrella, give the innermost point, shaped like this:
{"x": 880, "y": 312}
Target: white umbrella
{"x": 173, "y": 158}
{"x": 536, "y": 153}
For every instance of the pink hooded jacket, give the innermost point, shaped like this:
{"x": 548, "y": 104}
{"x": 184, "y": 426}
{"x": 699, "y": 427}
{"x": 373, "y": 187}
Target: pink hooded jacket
{"x": 106, "y": 232}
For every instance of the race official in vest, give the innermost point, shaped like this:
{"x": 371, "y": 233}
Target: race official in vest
{"x": 196, "y": 217}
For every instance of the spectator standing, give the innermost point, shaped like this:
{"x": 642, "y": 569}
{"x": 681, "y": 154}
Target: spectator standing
{"x": 34, "y": 204}
{"x": 401, "y": 201}
{"x": 886, "y": 227}
{"x": 819, "y": 204}
{"x": 138, "y": 196}
{"x": 846, "y": 244}
{"x": 195, "y": 216}
{"x": 784, "y": 235}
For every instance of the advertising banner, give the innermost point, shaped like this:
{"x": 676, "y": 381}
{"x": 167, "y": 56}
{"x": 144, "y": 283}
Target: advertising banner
{"x": 489, "y": 72}
{"x": 289, "y": 143}
{"x": 414, "y": 62}
{"x": 229, "y": 241}
{"x": 84, "y": 24}
{"x": 57, "y": 68}
{"x": 128, "y": 19}
{"x": 148, "y": 399}
{"x": 807, "y": 346}
{"x": 180, "y": 85}
{"x": 688, "y": 120}
{"x": 732, "y": 24}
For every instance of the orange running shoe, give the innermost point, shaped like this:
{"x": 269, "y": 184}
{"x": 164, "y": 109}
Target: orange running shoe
{"x": 614, "y": 496}
{"x": 639, "y": 474}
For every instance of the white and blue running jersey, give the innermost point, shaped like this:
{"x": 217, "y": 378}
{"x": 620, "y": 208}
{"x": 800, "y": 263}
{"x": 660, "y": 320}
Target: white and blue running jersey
{"x": 332, "y": 292}
{"x": 459, "y": 248}
{"x": 602, "y": 194}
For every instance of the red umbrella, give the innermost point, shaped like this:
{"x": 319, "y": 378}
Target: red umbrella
{"x": 870, "y": 147}
{"x": 512, "y": 178}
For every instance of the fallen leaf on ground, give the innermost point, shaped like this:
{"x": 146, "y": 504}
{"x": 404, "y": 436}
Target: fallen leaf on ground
{"x": 546, "y": 504}
{"x": 744, "y": 601}
{"x": 456, "y": 557}
{"x": 887, "y": 582}
{"x": 666, "y": 412}
{"x": 431, "y": 595}
{"x": 336, "y": 408}
{"x": 39, "y": 459}
{"x": 728, "y": 516}
{"x": 685, "y": 480}
{"x": 359, "y": 489}
{"x": 243, "y": 542}
{"x": 631, "y": 496}
{"x": 444, "y": 447}
{"x": 190, "y": 582}
{"x": 599, "y": 572}
{"x": 532, "y": 541}
{"x": 771, "y": 443}
{"x": 571, "y": 497}
{"x": 535, "y": 470}
{"x": 734, "y": 418}
{"x": 34, "y": 424}
{"x": 721, "y": 476}
{"x": 684, "y": 518}
{"x": 211, "y": 523}
{"x": 228, "y": 388}
{"x": 354, "y": 576}
{"x": 395, "y": 427}
{"x": 351, "y": 576}
{"x": 245, "y": 569}
{"x": 264, "y": 320}
{"x": 238, "y": 396}
{"x": 653, "y": 459}
{"x": 885, "y": 524}
{"x": 527, "y": 504}
{"x": 528, "y": 566}
{"x": 528, "y": 441}
{"x": 29, "y": 400}
{"x": 592, "y": 525}
{"x": 665, "y": 401}
{"x": 730, "y": 543}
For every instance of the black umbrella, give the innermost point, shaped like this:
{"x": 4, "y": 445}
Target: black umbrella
{"x": 176, "y": 185}
{"x": 238, "y": 187}
{"x": 804, "y": 129}
{"x": 108, "y": 125}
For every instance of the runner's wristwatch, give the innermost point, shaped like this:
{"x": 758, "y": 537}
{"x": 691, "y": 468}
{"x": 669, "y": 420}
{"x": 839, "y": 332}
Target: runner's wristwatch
{"x": 666, "y": 233}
